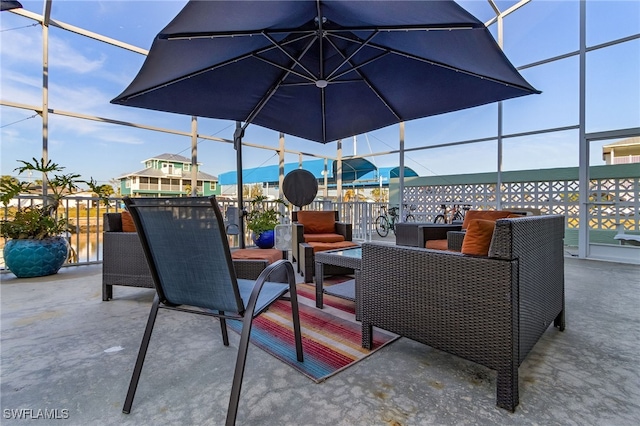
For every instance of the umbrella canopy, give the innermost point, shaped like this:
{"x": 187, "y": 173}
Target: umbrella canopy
{"x": 323, "y": 70}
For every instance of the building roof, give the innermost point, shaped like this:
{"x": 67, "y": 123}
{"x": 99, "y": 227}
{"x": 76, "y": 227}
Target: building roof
{"x": 355, "y": 170}
{"x": 150, "y": 172}
{"x": 624, "y": 142}
{"x": 271, "y": 173}
{"x": 170, "y": 157}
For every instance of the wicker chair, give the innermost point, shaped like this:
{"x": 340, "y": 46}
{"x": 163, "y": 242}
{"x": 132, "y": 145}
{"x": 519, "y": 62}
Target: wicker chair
{"x": 490, "y": 310}
{"x": 123, "y": 261}
{"x": 342, "y": 231}
{"x": 185, "y": 243}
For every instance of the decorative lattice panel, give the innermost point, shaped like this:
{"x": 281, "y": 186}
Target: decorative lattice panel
{"x": 617, "y": 200}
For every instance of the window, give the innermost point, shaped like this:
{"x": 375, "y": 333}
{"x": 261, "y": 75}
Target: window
{"x": 212, "y": 186}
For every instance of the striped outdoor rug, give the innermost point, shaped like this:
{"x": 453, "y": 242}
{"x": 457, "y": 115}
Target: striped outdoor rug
{"x": 331, "y": 337}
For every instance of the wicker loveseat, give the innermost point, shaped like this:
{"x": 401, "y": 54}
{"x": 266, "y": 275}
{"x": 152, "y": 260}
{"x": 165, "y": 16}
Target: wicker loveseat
{"x": 124, "y": 263}
{"x": 488, "y": 309}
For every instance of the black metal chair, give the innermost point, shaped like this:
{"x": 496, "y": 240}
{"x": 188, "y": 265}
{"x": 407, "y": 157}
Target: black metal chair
{"x": 188, "y": 253}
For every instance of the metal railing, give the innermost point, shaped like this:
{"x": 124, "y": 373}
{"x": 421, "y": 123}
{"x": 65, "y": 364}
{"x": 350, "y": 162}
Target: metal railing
{"x": 85, "y": 216}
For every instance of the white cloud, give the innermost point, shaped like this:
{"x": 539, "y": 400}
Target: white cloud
{"x": 25, "y": 47}
{"x": 65, "y": 56}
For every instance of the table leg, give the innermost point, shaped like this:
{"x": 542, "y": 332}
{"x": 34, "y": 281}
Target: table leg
{"x": 358, "y": 282}
{"x": 319, "y": 281}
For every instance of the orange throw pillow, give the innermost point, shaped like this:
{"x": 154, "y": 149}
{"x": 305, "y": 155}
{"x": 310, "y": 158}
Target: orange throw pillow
{"x": 477, "y": 239}
{"x": 127, "y": 222}
{"x": 483, "y": 214}
{"x": 317, "y": 222}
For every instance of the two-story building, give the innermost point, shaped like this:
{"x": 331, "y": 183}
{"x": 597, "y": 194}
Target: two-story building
{"x": 166, "y": 175}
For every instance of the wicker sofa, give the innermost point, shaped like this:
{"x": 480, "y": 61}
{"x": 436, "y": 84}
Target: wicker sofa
{"x": 490, "y": 310}
{"x": 124, "y": 263}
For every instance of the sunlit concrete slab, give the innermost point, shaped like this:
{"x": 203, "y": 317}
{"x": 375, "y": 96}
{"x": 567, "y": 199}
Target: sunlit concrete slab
{"x": 66, "y": 351}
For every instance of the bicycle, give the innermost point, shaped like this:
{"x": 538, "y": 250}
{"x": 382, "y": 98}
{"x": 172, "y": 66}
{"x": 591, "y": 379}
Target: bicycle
{"x": 387, "y": 221}
{"x": 455, "y": 214}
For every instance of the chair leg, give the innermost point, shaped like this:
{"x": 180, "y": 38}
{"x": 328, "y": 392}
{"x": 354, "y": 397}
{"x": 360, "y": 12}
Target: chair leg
{"x": 236, "y": 387}
{"x": 367, "y": 335}
{"x": 559, "y": 321}
{"x": 225, "y": 334}
{"x": 507, "y": 388}
{"x": 107, "y": 292}
{"x": 141, "y": 355}
{"x": 293, "y": 296}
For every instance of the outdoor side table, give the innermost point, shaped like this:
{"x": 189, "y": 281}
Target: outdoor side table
{"x": 347, "y": 258}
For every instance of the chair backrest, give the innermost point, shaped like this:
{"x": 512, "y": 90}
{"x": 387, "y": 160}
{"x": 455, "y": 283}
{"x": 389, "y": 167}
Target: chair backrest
{"x": 294, "y": 214}
{"x": 188, "y": 253}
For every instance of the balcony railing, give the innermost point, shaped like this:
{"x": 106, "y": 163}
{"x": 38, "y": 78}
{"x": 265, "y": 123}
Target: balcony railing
{"x": 85, "y": 214}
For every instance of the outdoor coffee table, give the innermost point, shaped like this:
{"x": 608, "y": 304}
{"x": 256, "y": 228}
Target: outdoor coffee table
{"x": 351, "y": 258}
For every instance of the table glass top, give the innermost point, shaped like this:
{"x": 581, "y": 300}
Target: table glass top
{"x": 355, "y": 252}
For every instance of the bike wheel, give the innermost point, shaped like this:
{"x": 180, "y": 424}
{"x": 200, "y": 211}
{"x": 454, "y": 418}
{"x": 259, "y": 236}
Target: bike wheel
{"x": 382, "y": 226}
{"x": 410, "y": 218}
{"x": 439, "y": 219}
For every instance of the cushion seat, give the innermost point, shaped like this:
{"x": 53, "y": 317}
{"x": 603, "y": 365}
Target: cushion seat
{"x": 437, "y": 244}
{"x": 270, "y": 255}
{"x": 323, "y": 238}
{"x": 323, "y": 246}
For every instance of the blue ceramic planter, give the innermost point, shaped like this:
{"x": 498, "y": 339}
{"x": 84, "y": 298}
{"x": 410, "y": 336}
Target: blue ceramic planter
{"x": 35, "y": 258}
{"x": 265, "y": 240}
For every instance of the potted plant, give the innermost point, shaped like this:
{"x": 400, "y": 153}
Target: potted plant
{"x": 36, "y": 245}
{"x": 261, "y": 221}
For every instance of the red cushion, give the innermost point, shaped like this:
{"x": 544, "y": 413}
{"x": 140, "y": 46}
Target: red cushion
{"x": 127, "y": 222}
{"x": 319, "y": 246}
{"x": 317, "y": 222}
{"x": 437, "y": 244}
{"x": 270, "y": 255}
{"x": 477, "y": 239}
{"x": 323, "y": 238}
{"x": 483, "y": 214}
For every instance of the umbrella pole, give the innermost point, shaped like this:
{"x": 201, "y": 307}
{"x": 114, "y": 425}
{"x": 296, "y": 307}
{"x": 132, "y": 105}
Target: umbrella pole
{"x": 237, "y": 144}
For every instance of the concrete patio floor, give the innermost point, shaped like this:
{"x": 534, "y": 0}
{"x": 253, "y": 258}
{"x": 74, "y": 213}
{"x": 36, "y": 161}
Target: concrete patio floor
{"x": 64, "y": 350}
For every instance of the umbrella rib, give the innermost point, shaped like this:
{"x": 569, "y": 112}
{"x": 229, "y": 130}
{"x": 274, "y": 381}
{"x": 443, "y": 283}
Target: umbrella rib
{"x": 367, "y": 82}
{"x": 355, "y": 67}
{"x": 275, "y": 87}
{"x": 277, "y": 45}
{"x": 321, "y": 70}
{"x": 214, "y": 67}
{"x": 456, "y": 69}
{"x": 215, "y": 34}
{"x": 218, "y": 34}
{"x": 347, "y": 59}
{"x": 408, "y": 28}
{"x": 435, "y": 63}
{"x": 311, "y": 79}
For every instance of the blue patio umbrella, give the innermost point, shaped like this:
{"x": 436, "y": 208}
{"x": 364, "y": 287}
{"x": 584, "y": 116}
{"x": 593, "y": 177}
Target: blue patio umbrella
{"x": 322, "y": 70}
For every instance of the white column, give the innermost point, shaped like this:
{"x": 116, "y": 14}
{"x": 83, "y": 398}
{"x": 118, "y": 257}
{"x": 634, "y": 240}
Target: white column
{"x": 194, "y": 158}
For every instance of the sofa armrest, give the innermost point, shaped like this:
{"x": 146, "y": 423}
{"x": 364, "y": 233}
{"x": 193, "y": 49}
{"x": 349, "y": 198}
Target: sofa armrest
{"x": 297, "y": 237}
{"x": 435, "y": 232}
{"x": 112, "y": 222}
{"x": 345, "y": 229}
{"x": 455, "y": 239}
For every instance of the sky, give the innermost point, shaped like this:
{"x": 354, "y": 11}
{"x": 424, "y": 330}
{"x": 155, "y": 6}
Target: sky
{"x": 84, "y": 75}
